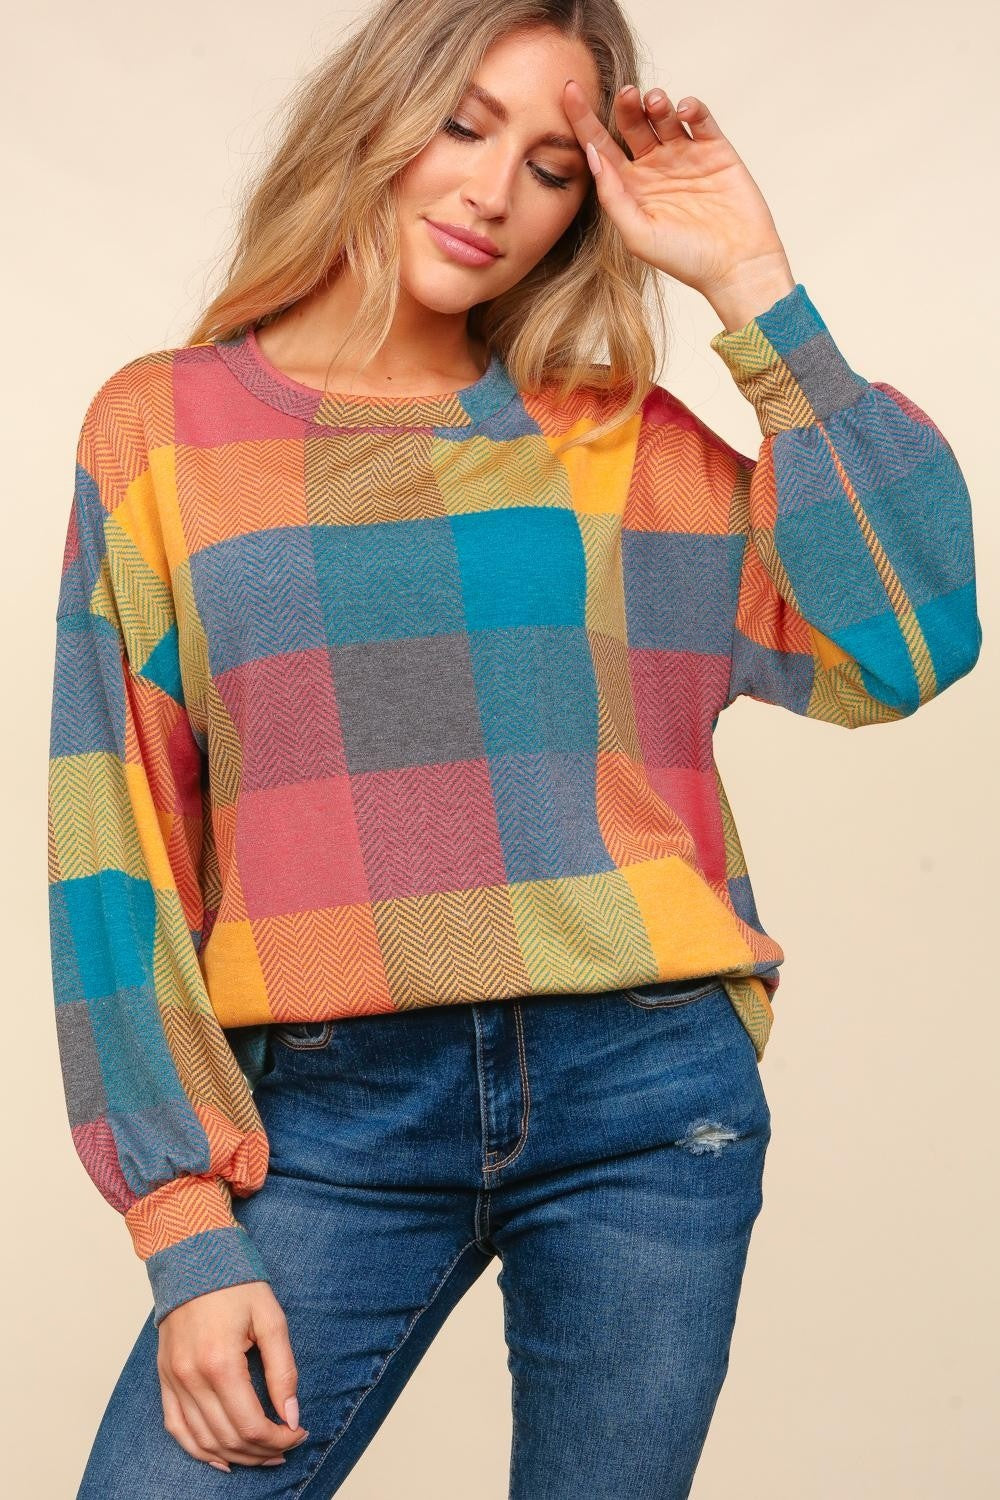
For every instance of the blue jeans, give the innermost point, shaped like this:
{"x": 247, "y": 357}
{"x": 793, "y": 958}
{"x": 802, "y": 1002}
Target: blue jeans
{"x": 608, "y": 1147}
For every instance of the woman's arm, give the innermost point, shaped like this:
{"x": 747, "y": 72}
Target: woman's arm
{"x": 162, "y": 1117}
{"x": 856, "y": 600}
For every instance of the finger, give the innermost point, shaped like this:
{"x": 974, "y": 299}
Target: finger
{"x": 588, "y": 126}
{"x": 254, "y": 1428}
{"x": 270, "y": 1329}
{"x": 663, "y": 117}
{"x": 175, "y": 1423}
{"x": 703, "y": 125}
{"x": 232, "y": 1443}
{"x": 633, "y": 123}
{"x": 622, "y": 208}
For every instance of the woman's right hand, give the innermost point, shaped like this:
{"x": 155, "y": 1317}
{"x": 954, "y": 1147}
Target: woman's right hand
{"x": 209, "y": 1402}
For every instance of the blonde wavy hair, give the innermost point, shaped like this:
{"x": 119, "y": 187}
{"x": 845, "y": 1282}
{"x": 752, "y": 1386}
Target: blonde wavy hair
{"x": 327, "y": 197}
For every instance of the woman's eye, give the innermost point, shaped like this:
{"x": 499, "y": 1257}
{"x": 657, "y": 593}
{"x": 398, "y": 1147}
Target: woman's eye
{"x": 454, "y": 128}
{"x": 547, "y": 179}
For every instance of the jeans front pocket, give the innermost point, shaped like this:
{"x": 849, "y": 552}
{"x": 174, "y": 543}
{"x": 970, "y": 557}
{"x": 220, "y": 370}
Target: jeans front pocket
{"x": 303, "y": 1036}
{"x": 668, "y": 992}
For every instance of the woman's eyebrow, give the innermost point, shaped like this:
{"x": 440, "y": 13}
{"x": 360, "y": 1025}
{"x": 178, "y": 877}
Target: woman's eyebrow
{"x": 499, "y": 109}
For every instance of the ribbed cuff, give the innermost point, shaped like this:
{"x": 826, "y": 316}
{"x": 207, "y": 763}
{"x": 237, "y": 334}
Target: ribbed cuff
{"x": 190, "y": 1241}
{"x": 787, "y": 365}
{"x": 202, "y": 1263}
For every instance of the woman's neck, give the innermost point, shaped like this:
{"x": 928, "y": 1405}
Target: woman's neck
{"x": 421, "y": 357}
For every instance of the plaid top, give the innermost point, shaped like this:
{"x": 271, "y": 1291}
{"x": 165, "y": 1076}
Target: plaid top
{"x": 362, "y": 704}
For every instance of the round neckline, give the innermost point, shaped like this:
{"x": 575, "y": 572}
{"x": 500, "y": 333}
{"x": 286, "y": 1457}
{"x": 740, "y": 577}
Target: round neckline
{"x": 465, "y": 407}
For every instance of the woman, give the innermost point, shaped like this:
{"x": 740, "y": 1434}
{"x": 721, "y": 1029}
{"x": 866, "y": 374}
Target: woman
{"x": 399, "y": 918}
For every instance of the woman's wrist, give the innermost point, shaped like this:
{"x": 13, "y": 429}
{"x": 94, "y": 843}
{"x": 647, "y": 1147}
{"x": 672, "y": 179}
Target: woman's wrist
{"x": 750, "y": 290}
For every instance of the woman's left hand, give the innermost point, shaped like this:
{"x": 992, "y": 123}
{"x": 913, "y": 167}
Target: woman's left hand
{"x": 684, "y": 203}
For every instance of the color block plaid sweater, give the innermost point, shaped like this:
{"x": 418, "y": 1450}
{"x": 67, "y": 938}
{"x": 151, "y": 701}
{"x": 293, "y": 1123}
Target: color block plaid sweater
{"x": 365, "y": 704}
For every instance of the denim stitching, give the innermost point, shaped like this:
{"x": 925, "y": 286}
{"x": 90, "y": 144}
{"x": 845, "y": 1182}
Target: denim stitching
{"x": 328, "y": 1449}
{"x": 303, "y": 1044}
{"x": 481, "y": 1084}
{"x": 634, "y": 997}
{"x": 514, "y": 1469}
{"x": 526, "y": 1087}
{"x": 483, "y": 1219}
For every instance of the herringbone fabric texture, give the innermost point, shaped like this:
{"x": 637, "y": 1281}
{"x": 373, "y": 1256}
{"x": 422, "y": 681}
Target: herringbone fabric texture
{"x": 363, "y": 704}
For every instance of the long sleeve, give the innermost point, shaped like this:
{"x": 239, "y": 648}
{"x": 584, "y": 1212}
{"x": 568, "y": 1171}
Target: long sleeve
{"x": 161, "y": 1115}
{"x": 856, "y": 598}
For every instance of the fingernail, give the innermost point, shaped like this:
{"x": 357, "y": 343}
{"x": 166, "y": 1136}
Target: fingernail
{"x": 292, "y": 1412}
{"x": 269, "y": 1463}
{"x": 682, "y": 107}
{"x": 656, "y": 96}
{"x": 217, "y": 1465}
{"x": 594, "y": 158}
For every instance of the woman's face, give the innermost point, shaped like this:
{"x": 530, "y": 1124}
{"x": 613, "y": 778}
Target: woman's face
{"x": 507, "y": 165}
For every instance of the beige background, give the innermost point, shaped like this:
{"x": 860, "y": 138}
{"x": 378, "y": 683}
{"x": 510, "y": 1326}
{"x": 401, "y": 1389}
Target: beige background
{"x": 864, "y": 1358}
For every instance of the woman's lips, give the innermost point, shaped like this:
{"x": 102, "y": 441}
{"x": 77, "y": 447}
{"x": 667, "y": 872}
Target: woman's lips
{"x": 459, "y": 250}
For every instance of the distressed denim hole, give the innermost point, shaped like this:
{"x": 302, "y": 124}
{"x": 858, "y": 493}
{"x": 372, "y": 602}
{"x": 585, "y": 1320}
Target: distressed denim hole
{"x": 707, "y": 1135}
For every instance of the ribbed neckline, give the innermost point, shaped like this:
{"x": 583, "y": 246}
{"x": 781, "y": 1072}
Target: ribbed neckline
{"x": 462, "y": 408}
